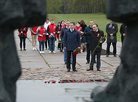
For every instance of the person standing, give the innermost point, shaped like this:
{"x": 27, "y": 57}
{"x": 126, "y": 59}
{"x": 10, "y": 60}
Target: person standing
{"x": 83, "y": 25}
{"x": 62, "y": 39}
{"x": 123, "y": 32}
{"x": 41, "y": 32}
{"x": 111, "y": 30}
{"x": 71, "y": 38}
{"x": 23, "y": 36}
{"x": 58, "y": 35}
{"x": 34, "y": 37}
{"x": 63, "y": 24}
{"x": 46, "y": 24}
{"x": 95, "y": 36}
{"x": 78, "y": 27}
{"x": 52, "y": 31}
{"x": 87, "y": 40}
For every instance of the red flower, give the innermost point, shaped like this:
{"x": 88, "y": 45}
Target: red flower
{"x": 105, "y": 35}
{"x": 48, "y": 81}
{"x": 75, "y": 53}
{"x": 53, "y": 81}
{"x": 98, "y": 35}
{"x": 59, "y": 82}
{"x": 62, "y": 81}
{"x": 45, "y": 82}
{"x": 68, "y": 81}
{"x": 73, "y": 81}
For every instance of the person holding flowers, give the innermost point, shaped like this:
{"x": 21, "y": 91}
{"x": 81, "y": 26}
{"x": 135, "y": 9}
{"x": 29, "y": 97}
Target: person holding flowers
{"x": 71, "y": 38}
{"x": 96, "y": 39}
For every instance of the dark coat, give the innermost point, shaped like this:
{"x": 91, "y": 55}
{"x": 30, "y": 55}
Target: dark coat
{"x": 62, "y": 33}
{"x": 71, "y": 39}
{"x": 87, "y": 38}
{"x": 83, "y": 27}
{"x": 94, "y": 39}
{"x": 114, "y": 30}
{"x": 123, "y": 30}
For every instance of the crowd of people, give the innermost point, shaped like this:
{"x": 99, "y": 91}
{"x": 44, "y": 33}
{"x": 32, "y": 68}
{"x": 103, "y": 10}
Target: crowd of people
{"x": 70, "y": 37}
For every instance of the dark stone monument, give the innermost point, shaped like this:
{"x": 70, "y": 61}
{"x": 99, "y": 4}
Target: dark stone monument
{"x": 15, "y": 14}
{"x": 124, "y": 86}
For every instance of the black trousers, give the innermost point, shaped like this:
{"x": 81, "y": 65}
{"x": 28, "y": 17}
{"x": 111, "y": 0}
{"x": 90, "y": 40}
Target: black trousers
{"x": 47, "y": 42}
{"x": 73, "y": 60}
{"x": 22, "y": 40}
{"x": 108, "y": 48}
{"x": 122, "y": 39}
{"x": 88, "y": 53}
{"x": 98, "y": 53}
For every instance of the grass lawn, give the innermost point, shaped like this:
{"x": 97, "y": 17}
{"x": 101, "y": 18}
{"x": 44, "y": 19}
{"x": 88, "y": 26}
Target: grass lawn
{"x": 98, "y": 18}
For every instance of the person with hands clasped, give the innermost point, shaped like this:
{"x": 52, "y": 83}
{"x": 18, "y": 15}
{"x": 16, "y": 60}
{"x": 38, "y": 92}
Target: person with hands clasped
{"x": 52, "y": 31}
{"x": 71, "y": 38}
{"x": 41, "y": 32}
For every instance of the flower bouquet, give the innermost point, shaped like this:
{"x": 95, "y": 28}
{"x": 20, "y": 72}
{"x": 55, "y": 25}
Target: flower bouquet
{"x": 76, "y": 51}
{"x": 101, "y": 39}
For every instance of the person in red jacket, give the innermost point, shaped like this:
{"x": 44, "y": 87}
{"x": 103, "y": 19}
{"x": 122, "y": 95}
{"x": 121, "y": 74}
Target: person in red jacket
{"x": 23, "y": 36}
{"x": 79, "y": 28}
{"x": 41, "y": 32}
{"x": 63, "y": 23}
{"x": 52, "y": 31}
{"x": 34, "y": 36}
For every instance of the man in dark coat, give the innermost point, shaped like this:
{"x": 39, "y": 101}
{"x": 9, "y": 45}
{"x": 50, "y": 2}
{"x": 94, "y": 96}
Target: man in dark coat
{"x": 95, "y": 36}
{"x": 111, "y": 30}
{"x": 123, "y": 32}
{"x": 87, "y": 40}
{"x": 71, "y": 38}
{"x": 62, "y": 39}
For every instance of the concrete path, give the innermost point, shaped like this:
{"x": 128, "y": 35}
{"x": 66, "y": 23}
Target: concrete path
{"x": 36, "y": 66}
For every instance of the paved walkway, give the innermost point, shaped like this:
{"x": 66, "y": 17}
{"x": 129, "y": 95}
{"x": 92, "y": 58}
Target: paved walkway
{"x": 36, "y": 66}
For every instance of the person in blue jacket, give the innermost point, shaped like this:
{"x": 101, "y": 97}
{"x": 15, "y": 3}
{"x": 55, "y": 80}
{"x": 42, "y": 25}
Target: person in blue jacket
{"x": 87, "y": 40}
{"x": 71, "y": 38}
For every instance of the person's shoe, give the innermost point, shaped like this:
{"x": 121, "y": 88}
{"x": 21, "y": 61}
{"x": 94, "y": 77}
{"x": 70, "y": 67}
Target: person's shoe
{"x": 95, "y": 62}
{"x": 98, "y": 70}
{"x": 20, "y": 49}
{"x": 87, "y": 62}
{"x": 40, "y": 51}
{"x": 43, "y": 52}
{"x": 68, "y": 70}
{"x": 33, "y": 49}
{"x": 107, "y": 55}
{"x": 54, "y": 52}
{"x": 49, "y": 51}
{"x": 115, "y": 55}
{"x": 89, "y": 69}
{"x": 24, "y": 49}
{"x": 75, "y": 70}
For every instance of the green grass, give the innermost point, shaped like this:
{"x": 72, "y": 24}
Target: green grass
{"x": 98, "y": 18}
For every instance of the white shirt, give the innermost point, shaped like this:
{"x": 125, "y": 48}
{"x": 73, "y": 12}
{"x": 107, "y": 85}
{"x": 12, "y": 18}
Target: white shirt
{"x": 46, "y": 25}
{"x": 71, "y": 30}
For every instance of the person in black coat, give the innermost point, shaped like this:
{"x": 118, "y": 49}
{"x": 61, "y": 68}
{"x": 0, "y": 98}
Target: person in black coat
{"x": 71, "y": 38}
{"x": 123, "y": 31}
{"x": 111, "y": 30}
{"x": 95, "y": 36}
